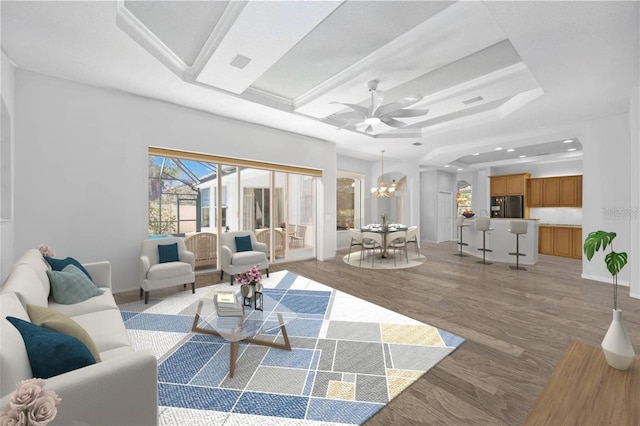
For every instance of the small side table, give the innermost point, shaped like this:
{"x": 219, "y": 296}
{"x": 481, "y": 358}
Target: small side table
{"x": 585, "y": 390}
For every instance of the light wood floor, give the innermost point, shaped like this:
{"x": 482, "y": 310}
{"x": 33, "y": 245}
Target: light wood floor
{"x": 517, "y": 325}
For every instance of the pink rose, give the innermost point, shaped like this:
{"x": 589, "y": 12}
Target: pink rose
{"x": 26, "y": 393}
{"x": 44, "y": 409}
{"x": 45, "y": 250}
{"x": 12, "y": 417}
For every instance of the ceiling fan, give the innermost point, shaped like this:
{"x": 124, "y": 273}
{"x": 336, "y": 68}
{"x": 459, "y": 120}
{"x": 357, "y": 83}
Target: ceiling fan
{"x": 364, "y": 118}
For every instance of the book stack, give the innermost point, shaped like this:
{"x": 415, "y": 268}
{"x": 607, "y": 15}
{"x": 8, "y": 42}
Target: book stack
{"x": 227, "y": 304}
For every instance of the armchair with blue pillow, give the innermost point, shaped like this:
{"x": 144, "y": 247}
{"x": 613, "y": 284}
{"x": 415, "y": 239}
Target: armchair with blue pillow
{"x": 240, "y": 251}
{"x": 165, "y": 262}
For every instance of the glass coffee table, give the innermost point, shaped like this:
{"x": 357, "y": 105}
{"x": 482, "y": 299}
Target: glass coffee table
{"x": 247, "y": 327}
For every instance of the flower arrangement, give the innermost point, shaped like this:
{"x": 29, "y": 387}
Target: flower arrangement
{"x": 251, "y": 277}
{"x": 30, "y": 405}
{"x": 385, "y": 219}
{"x": 47, "y": 251}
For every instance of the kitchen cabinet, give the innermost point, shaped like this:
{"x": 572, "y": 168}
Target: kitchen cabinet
{"x": 498, "y": 186}
{"x": 509, "y": 184}
{"x": 558, "y": 240}
{"x": 545, "y": 240}
{"x": 561, "y": 191}
{"x": 550, "y": 192}
{"x": 534, "y": 192}
{"x": 577, "y": 243}
{"x": 570, "y": 194}
{"x": 562, "y": 242}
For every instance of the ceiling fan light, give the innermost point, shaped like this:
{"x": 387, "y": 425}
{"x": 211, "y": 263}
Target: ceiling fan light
{"x": 371, "y": 121}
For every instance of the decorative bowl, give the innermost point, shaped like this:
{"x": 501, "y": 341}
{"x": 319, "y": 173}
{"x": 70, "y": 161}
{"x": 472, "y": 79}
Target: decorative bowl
{"x": 468, "y": 215}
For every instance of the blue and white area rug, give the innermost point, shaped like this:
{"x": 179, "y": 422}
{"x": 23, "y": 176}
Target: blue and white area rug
{"x": 349, "y": 358}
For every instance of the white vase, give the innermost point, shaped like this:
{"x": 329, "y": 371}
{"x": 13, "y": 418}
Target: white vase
{"x": 616, "y": 344}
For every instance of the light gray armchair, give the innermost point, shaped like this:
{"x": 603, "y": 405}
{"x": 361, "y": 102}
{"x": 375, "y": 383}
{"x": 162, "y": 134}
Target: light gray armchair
{"x": 234, "y": 262}
{"x": 155, "y": 275}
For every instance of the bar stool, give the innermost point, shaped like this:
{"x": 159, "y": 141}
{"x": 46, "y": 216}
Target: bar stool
{"x": 460, "y": 223}
{"x": 483, "y": 224}
{"x": 518, "y": 227}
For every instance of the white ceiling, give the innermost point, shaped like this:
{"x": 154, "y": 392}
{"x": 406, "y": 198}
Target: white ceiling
{"x": 536, "y": 69}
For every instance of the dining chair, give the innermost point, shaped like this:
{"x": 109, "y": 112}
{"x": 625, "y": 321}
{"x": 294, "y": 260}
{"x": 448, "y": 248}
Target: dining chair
{"x": 412, "y": 238}
{"x": 356, "y": 240}
{"x": 301, "y": 231}
{"x": 397, "y": 240}
{"x": 371, "y": 241}
{"x": 291, "y": 232}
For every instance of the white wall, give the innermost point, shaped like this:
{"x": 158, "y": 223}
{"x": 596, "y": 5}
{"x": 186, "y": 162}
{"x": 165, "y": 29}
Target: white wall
{"x": 81, "y": 167}
{"x": 429, "y": 205}
{"x": 634, "y": 196}
{"x": 557, "y": 168}
{"x": 7, "y": 94}
{"x": 606, "y": 203}
{"x": 431, "y": 184}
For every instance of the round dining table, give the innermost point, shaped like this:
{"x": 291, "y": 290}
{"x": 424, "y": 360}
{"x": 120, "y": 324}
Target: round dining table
{"x": 379, "y": 229}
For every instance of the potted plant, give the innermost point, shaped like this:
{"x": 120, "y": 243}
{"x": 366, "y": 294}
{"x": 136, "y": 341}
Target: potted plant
{"x": 616, "y": 344}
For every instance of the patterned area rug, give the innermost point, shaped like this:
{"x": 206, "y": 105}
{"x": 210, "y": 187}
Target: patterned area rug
{"x": 393, "y": 261}
{"x": 349, "y": 358}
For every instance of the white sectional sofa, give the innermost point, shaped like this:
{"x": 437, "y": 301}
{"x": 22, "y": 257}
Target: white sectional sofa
{"x": 121, "y": 389}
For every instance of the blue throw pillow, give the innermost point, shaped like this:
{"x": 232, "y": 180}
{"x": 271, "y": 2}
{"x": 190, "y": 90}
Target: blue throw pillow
{"x": 71, "y": 286}
{"x": 168, "y": 253}
{"x": 51, "y": 353}
{"x": 60, "y": 264}
{"x": 244, "y": 243}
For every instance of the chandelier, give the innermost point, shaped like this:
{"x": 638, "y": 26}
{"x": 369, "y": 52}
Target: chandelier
{"x": 382, "y": 190}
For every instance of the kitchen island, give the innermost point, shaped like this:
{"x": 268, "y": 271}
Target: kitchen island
{"x": 502, "y": 242}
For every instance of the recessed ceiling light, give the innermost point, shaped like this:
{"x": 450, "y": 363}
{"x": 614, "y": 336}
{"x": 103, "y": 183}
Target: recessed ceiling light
{"x": 446, "y": 165}
{"x": 522, "y": 156}
{"x": 459, "y": 170}
{"x": 510, "y": 150}
{"x": 568, "y": 141}
{"x": 477, "y": 153}
{"x": 571, "y": 149}
{"x": 498, "y": 148}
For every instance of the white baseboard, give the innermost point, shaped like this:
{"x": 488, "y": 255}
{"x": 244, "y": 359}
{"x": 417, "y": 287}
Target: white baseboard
{"x": 604, "y": 280}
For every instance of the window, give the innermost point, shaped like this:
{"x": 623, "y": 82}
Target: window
{"x": 205, "y": 206}
{"x": 463, "y": 199}
{"x": 348, "y": 201}
{"x": 223, "y": 205}
{"x": 275, "y": 201}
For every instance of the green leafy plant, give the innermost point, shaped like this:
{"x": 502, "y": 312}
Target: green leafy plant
{"x": 615, "y": 261}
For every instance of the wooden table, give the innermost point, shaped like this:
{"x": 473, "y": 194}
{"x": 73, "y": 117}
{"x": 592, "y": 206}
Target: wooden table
{"x": 585, "y": 390}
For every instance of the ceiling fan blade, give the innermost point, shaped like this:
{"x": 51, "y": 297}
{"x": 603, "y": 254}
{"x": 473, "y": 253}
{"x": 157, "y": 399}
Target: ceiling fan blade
{"x": 369, "y": 130}
{"x": 376, "y": 101}
{"x": 402, "y": 103}
{"x": 359, "y": 108}
{"x": 392, "y": 122}
{"x": 408, "y": 113}
{"x": 349, "y": 115}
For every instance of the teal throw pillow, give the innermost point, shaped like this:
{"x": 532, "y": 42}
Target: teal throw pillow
{"x": 60, "y": 264}
{"x": 51, "y": 353}
{"x": 168, "y": 253}
{"x": 244, "y": 243}
{"x": 71, "y": 286}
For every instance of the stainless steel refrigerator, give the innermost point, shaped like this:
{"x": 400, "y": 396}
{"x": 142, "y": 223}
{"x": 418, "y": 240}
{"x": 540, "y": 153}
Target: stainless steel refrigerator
{"x": 508, "y": 206}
